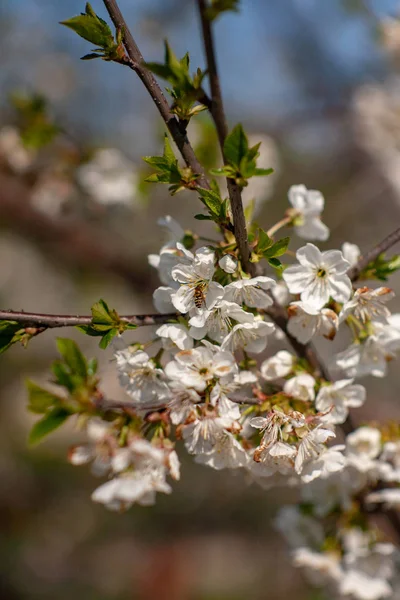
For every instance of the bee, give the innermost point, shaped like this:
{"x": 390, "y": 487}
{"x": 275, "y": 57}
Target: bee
{"x": 199, "y": 296}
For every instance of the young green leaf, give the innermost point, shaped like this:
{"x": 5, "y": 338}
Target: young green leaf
{"x": 236, "y": 146}
{"x": 41, "y": 400}
{"x": 50, "y": 422}
{"x": 10, "y": 332}
{"x": 277, "y": 249}
{"x": 73, "y": 357}
{"x": 217, "y": 7}
{"x": 91, "y": 28}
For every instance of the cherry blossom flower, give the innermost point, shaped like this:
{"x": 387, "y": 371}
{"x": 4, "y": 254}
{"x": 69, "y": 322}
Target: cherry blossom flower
{"x": 363, "y": 446}
{"x": 174, "y": 336}
{"x": 338, "y": 397}
{"x": 351, "y": 253}
{"x": 306, "y": 321}
{"x": 312, "y": 446}
{"x": 321, "y": 568}
{"x": 319, "y": 276}
{"x": 143, "y": 381}
{"x": 196, "y": 282}
{"x": 277, "y": 366}
{"x": 300, "y": 387}
{"x": 371, "y": 356}
{"x": 251, "y": 337}
{"x": 251, "y": 292}
{"x": 226, "y": 453}
{"x": 308, "y": 206}
{"x": 218, "y": 321}
{"x": 183, "y": 401}
{"x": 196, "y": 368}
{"x": 228, "y": 263}
{"x": 368, "y": 304}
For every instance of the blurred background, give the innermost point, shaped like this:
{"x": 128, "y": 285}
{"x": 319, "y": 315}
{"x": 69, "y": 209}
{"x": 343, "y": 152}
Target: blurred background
{"x": 318, "y": 84}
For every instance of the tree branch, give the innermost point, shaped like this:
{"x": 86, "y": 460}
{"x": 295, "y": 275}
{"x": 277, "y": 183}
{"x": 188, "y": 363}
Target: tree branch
{"x": 46, "y": 321}
{"x": 218, "y": 115}
{"x": 137, "y": 63}
{"x": 388, "y": 242}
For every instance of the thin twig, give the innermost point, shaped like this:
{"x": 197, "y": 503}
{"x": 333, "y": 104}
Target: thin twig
{"x": 137, "y": 63}
{"x": 364, "y": 261}
{"x": 218, "y": 115}
{"x": 52, "y": 321}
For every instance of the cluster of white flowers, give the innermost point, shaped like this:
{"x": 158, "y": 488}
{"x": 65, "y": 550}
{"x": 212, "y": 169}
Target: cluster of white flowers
{"x": 351, "y": 563}
{"x": 275, "y": 420}
{"x": 137, "y": 469}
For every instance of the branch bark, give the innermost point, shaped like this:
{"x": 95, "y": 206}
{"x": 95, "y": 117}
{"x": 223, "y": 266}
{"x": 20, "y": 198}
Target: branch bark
{"x": 137, "y": 64}
{"x": 46, "y": 321}
{"x": 218, "y": 115}
{"x": 388, "y": 242}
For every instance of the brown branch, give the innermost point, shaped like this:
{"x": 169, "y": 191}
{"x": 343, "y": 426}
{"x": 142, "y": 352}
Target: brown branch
{"x": 137, "y": 63}
{"x": 52, "y": 321}
{"x": 388, "y": 242}
{"x": 218, "y": 115}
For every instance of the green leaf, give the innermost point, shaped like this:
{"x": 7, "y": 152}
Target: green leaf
{"x": 50, "y": 422}
{"x": 167, "y": 168}
{"x": 264, "y": 241}
{"x": 278, "y": 248}
{"x": 218, "y": 7}
{"x": 106, "y": 323}
{"x": 212, "y": 200}
{"x": 41, "y": 400}
{"x": 106, "y": 339}
{"x": 236, "y": 146}
{"x": 262, "y": 172}
{"x": 73, "y": 357}
{"x": 91, "y": 28}
{"x": 103, "y": 317}
{"x": 10, "y": 332}
{"x": 201, "y": 217}
{"x": 63, "y": 375}
{"x": 92, "y": 366}
{"x": 275, "y": 262}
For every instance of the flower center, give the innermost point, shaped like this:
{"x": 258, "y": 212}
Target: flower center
{"x": 321, "y": 273}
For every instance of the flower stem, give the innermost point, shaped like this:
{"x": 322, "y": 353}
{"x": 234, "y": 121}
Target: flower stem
{"x": 285, "y": 221}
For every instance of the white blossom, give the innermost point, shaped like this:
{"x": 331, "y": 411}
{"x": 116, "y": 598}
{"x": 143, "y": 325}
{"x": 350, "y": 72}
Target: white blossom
{"x": 390, "y": 497}
{"x": 351, "y": 253}
{"x": 308, "y": 206}
{"x": 143, "y": 381}
{"x": 277, "y": 366}
{"x": 368, "y": 304}
{"x": 371, "y": 356}
{"x": 338, "y": 397}
{"x": 227, "y": 453}
{"x": 300, "y": 387}
{"x": 218, "y": 321}
{"x": 228, "y": 263}
{"x": 251, "y": 337}
{"x": 196, "y": 286}
{"x": 363, "y": 446}
{"x": 306, "y": 321}
{"x": 182, "y": 403}
{"x": 251, "y": 292}
{"x": 312, "y": 446}
{"x": 174, "y": 335}
{"x": 196, "y": 368}
{"x": 321, "y": 568}
{"x": 319, "y": 276}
